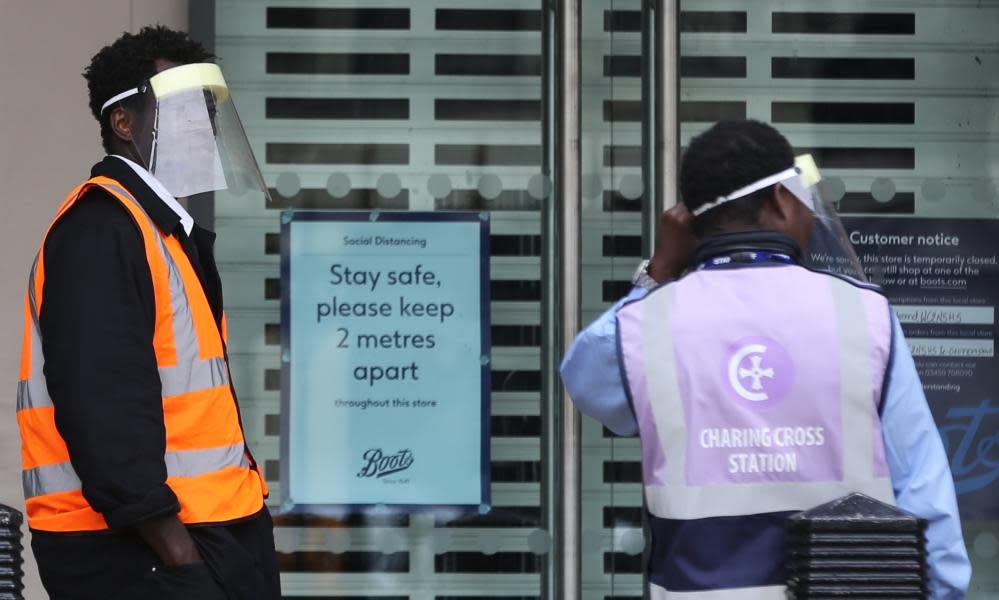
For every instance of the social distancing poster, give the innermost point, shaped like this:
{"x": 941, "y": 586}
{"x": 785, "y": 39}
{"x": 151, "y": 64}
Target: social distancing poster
{"x": 386, "y": 360}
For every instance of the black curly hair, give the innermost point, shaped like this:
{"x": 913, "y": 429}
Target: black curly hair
{"x": 129, "y": 61}
{"x": 728, "y": 156}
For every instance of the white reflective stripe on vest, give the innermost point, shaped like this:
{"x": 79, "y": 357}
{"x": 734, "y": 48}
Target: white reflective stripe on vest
{"x": 61, "y": 477}
{"x": 858, "y": 409}
{"x": 663, "y": 388}
{"x": 690, "y": 502}
{"x": 770, "y": 592}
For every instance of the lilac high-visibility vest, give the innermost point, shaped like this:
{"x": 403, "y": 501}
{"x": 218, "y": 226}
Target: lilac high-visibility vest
{"x": 756, "y": 391}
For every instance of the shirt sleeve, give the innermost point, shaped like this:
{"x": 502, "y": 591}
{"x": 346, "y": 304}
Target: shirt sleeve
{"x": 920, "y": 472}
{"x": 592, "y": 374}
{"x": 97, "y": 319}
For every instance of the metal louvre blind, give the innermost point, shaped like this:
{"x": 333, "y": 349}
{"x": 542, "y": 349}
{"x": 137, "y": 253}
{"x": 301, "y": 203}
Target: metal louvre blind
{"x": 393, "y": 105}
{"x": 890, "y": 96}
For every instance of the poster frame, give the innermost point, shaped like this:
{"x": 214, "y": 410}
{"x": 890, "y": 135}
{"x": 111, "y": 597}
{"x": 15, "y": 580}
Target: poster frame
{"x": 288, "y": 218}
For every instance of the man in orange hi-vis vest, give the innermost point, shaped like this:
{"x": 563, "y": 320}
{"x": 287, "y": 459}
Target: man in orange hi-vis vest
{"x": 137, "y": 479}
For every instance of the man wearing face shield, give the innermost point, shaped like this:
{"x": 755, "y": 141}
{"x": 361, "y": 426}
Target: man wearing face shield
{"x": 138, "y": 481}
{"x": 759, "y": 385}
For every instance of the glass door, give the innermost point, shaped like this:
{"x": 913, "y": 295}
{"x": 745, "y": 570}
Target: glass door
{"x": 399, "y": 106}
{"x": 613, "y": 201}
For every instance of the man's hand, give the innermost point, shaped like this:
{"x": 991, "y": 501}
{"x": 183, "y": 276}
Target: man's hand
{"x": 675, "y": 244}
{"x": 170, "y": 540}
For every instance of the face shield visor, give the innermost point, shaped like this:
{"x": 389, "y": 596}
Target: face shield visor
{"x": 190, "y": 137}
{"x": 828, "y": 248}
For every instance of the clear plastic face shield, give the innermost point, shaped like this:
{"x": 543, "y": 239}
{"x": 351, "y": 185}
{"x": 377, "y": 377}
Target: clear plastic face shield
{"x": 829, "y": 248}
{"x": 191, "y": 139}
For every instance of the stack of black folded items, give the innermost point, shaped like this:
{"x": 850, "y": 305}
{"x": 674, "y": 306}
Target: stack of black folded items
{"x": 11, "y": 573}
{"x": 856, "y": 547}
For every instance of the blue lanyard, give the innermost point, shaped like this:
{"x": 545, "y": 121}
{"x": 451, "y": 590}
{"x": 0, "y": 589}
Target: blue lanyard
{"x": 756, "y": 256}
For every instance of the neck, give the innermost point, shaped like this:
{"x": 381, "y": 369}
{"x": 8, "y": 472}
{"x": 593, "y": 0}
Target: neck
{"x": 129, "y": 153}
{"x": 724, "y": 244}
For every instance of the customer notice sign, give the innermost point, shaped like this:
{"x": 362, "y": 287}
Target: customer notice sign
{"x": 942, "y": 277}
{"x": 386, "y": 366}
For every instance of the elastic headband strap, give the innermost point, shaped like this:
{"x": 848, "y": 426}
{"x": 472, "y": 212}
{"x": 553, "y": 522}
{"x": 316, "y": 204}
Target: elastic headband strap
{"x": 177, "y": 79}
{"x": 119, "y": 98}
{"x": 749, "y": 189}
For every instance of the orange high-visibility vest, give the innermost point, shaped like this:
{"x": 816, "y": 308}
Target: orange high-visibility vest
{"x": 208, "y": 465}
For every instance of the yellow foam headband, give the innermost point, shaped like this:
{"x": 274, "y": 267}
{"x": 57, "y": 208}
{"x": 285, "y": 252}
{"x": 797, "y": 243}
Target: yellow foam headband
{"x": 205, "y": 76}
{"x": 808, "y": 169}
{"x": 188, "y": 77}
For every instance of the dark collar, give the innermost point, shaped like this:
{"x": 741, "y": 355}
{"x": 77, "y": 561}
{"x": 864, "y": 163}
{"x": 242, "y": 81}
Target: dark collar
{"x": 158, "y": 211}
{"x": 727, "y": 244}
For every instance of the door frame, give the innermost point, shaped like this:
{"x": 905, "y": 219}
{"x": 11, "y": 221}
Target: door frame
{"x": 561, "y": 228}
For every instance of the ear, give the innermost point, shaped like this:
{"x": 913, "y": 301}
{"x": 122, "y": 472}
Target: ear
{"x": 781, "y": 210}
{"x": 122, "y": 124}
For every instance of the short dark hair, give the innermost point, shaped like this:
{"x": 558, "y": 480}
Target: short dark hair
{"x": 729, "y": 156}
{"x": 129, "y": 61}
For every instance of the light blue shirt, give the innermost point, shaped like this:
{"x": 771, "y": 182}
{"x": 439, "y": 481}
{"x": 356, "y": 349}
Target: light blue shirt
{"x": 916, "y": 458}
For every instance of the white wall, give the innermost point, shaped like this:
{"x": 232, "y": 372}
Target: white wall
{"x": 48, "y": 141}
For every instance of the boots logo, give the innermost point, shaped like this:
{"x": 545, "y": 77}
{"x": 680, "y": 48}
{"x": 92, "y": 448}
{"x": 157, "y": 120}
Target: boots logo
{"x": 971, "y": 438}
{"x": 378, "y": 464}
{"x": 759, "y": 371}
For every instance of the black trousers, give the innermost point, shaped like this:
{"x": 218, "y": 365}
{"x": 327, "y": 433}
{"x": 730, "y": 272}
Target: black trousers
{"x": 240, "y": 564}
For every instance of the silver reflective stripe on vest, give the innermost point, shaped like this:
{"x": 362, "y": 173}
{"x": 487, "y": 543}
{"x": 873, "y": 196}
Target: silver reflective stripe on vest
{"x": 202, "y": 375}
{"x": 185, "y": 338}
{"x": 34, "y": 392}
{"x": 691, "y": 502}
{"x": 191, "y": 463}
{"x": 191, "y": 374}
{"x": 32, "y": 301}
{"x": 49, "y": 479}
{"x": 24, "y": 395}
{"x": 120, "y": 190}
{"x": 661, "y": 378}
{"x": 61, "y": 477}
{"x": 770, "y": 592}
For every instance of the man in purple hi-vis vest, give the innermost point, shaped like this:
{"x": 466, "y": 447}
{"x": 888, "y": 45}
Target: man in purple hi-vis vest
{"x": 759, "y": 387}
